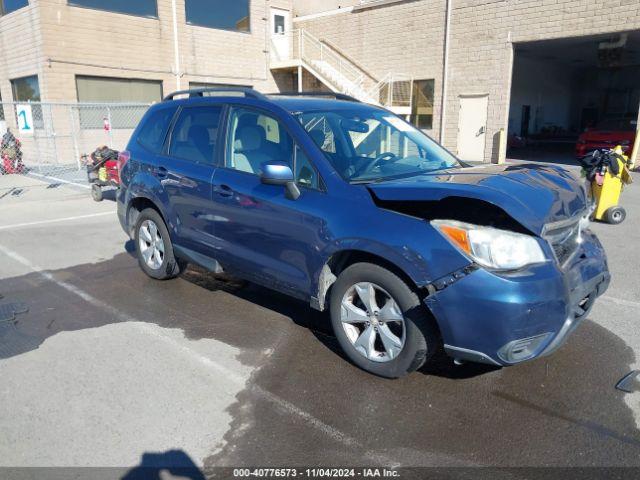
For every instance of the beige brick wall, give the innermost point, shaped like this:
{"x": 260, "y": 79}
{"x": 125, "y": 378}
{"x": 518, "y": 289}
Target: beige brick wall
{"x": 57, "y": 42}
{"x": 20, "y": 48}
{"x": 65, "y": 41}
{"x": 482, "y": 36}
{"x": 407, "y": 37}
{"x": 403, "y": 38}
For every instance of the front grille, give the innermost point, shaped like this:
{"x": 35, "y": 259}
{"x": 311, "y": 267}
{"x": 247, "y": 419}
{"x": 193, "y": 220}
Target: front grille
{"x": 564, "y": 239}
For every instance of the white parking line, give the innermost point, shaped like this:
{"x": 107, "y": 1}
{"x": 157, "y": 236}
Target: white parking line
{"x": 621, "y": 301}
{"x": 55, "y": 220}
{"x": 282, "y": 404}
{"x": 59, "y": 180}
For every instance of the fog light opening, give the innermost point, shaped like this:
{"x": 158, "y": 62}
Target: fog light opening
{"x": 523, "y": 349}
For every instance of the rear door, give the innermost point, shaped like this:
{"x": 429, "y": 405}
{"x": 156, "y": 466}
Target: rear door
{"x": 186, "y": 171}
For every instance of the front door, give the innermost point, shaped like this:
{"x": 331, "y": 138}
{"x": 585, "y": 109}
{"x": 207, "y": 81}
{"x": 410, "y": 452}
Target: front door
{"x": 472, "y": 127}
{"x": 186, "y": 172}
{"x": 261, "y": 234}
{"x": 280, "y": 37}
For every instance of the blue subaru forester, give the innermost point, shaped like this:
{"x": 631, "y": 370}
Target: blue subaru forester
{"x": 350, "y": 208}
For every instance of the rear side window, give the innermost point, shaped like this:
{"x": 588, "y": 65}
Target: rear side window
{"x": 154, "y": 130}
{"x": 195, "y": 133}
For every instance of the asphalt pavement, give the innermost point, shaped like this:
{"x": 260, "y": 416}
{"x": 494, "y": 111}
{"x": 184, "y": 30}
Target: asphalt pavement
{"x": 109, "y": 368}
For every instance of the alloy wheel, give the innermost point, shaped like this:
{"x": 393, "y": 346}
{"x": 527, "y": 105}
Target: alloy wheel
{"x": 151, "y": 244}
{"x": 373, "y": 322}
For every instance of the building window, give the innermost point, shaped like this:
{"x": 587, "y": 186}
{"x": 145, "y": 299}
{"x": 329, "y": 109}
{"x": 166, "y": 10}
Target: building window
{"x": 8, "y": 6}
{"x": 422, "y": 104}
{"x": 133, "y": 94}
{"x": 220, "y": 14}
{"x": 140, "y": 8}
{"x": 27, "y": 89}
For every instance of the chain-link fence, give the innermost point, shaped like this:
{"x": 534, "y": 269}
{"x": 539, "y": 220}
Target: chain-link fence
{"x": 55, "y": 136}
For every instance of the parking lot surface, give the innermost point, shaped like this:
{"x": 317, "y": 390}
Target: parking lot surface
{"x": 108, "y": 366}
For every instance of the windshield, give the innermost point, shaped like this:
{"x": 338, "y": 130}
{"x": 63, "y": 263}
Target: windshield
{"x": 365, "y": 144}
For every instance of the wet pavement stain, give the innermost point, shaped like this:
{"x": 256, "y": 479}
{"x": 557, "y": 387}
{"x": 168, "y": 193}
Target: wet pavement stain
{"x": 560, "y": 410}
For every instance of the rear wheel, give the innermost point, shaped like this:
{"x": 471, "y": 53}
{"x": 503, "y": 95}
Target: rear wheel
{"x": 154, "y": 247}
{"x": 96, "y": 192}
{"x": 615, "y": 215}
{"x": 380, "y": 322}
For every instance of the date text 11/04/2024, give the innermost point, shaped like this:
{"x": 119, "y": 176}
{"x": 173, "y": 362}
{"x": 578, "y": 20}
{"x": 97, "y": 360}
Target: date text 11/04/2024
{"x": 316, "y": 472}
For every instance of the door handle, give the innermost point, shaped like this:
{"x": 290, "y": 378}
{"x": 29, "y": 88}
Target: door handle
{"x": 223, "y": 190}
{"x": 162, "y": 172}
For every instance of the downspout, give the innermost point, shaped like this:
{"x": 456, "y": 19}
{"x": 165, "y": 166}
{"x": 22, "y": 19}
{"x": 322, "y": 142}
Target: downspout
{"x": 176, "y": 45}
{"x": 445, "y": 71}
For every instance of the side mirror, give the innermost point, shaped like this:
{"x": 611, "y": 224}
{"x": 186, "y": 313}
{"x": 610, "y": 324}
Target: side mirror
{"x": 276, "y": 173}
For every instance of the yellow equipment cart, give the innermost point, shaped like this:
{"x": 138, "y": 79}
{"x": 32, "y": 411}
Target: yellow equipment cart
{"x": 607, "y": 194}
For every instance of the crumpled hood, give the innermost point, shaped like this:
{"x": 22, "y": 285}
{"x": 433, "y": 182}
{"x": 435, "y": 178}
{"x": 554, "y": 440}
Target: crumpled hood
{"x": 532, "y": 194}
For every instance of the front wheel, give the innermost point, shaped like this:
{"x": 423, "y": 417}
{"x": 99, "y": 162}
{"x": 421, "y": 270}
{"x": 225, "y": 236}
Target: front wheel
{"x": 380, "y": 322}
{"x": 154, "y": 248}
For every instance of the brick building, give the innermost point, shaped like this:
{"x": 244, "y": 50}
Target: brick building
{"x": 460, "y": 69}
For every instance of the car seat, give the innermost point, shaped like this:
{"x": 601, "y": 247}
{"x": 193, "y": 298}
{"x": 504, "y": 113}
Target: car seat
{"x": 198, "y": 136}
{"x": 248, "y": 157}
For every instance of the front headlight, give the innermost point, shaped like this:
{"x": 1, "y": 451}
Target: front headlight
{"x": 491, "y": 247}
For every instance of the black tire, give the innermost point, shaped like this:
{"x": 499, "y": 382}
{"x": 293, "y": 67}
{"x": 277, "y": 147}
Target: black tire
{"x": 170, "y": 267}
{"x": 422, "y": 337}
{"x": 615, "y": 215}
{"x": 96, "y": 193}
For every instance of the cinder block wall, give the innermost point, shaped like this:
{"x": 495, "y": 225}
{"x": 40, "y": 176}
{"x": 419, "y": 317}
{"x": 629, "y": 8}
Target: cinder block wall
{"x": 58, "y": 42}
{"x": 20, "y": 49}
{"x": 403, "y": 38}
{"x": 407, "y": 37}
{"x": 483, "y": 34}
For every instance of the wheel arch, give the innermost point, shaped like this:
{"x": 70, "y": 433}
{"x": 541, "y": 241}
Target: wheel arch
{"x": 339, "y": 260}
{"x": 136, "y": 206}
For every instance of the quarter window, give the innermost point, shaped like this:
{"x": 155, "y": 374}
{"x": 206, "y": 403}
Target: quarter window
{"x": 154, "y": 131}
{"x": 220, "y": 14}
{"x": 141, "y": 8}
{"x": 195, "y": 133}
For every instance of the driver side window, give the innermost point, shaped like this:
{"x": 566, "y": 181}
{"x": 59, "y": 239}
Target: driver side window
{"x": 255, "y": 138}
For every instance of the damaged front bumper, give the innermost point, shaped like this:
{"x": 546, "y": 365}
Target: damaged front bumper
{"x": 504, "y": 319}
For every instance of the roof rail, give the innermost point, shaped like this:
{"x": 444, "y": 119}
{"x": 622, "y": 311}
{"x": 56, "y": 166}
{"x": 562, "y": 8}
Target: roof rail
{"x": 337, "y": 96}
{"x": 199, "y": 92}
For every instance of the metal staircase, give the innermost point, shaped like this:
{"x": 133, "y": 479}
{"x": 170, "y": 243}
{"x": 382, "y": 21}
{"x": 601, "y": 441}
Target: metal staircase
{"x": 299, "y": 48}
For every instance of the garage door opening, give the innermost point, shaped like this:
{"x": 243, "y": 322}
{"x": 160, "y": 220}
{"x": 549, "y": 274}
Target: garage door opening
{"x": 571, "y": 95}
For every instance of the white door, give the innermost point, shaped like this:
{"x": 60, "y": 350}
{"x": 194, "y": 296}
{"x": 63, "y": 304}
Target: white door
{"x": 472, "y": 127}
{"x": 280, "y": 35}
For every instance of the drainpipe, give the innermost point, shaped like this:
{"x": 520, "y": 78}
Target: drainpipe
{"x": 176, "y": 46}
{"x": 445, "y": 72}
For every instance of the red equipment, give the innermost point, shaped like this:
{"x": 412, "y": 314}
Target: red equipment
{"x": 103, "y": 169}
